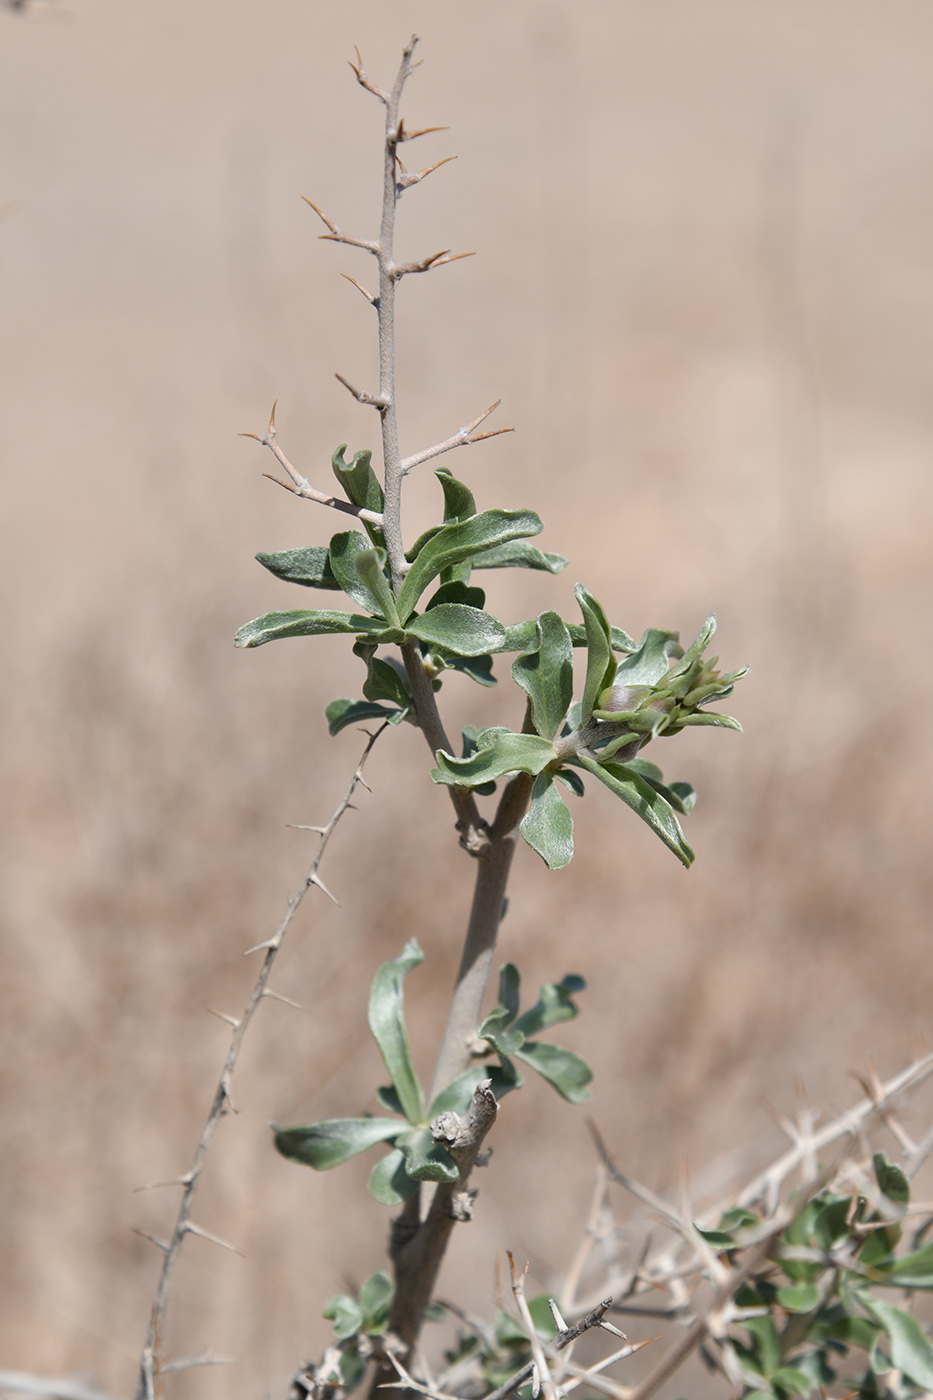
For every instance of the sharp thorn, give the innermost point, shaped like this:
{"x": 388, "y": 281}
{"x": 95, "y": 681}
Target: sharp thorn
{"x": 230, "y": 1020}
{"x": 277, "y": 996}
{"x": 192, "y": 1229}
{"x": 316, "y": 880}
{"x": 262, "y": 947}
{"x": 300, "y": 826}
{"x": 159, "y": 1244}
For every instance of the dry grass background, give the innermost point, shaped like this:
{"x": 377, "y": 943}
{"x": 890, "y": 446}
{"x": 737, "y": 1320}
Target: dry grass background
{"x": 704, "y": 291}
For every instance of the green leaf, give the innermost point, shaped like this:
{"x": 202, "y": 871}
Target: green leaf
{"x": 510, "y": 984}
{"x": 799, "y": 1297}
{"x": 789, "y": 1378}
{"x": 342, "y": 713}
{"x": 571, "y": 780}
{"x": 547, "y": 826}
{"x": 358, "y": 480}
{"x": 478, "y": 668}
{"x": 891, "y": 1180}
{"x": 911, "y": 1349}
{"x": 333, "y": 1142}
{"x": 345, "y": 549}
{"x": 832, "y": 1220}
{"x": 498, "y": 751}
{"x": 650, "y": 663}
{"x": 494, "y": 1029}
{"x": 457, "y": 592}
{"x": 389, "y": 1182}
{"x": 520, "y": 635}
{"x": 309, "y": 566}
{"x": 600, "y": 662}
{"x": 456, "y": 542}
{"x": 766, "y": 1344}
{"x": 389, "y": 1099}
{"x": 386, "y": 681}
{"x": 644, "y": 802}
{"x": 369, "y": 566}
{"x": 271, "y": 627}
{"x": 545, "y": 673}
{"x": 466, "y": 631}
{"x": 458, "y": 1094}
{"x": 837, "y": 1326}
{"x": 425, "y": 1159}
{"x": 345, "y": 1313}
{"x": 458, "y": 499}
{"x": 568, "y": 1074}
{"x": 519, "y": 555}
{"x": 681, "y": 796}
{"x": 470, "y": 736}
{"x": 376, "y": 1294}
{"x": 387, "y": 1023}
{"x": 911, "y": 1271}
{"x": 555, "y": 1004}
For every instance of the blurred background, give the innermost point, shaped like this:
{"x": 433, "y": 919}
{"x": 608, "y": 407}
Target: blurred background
{"x": 704, "y": 293}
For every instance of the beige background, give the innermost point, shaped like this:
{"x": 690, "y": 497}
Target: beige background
{"x": 704, "y": 292}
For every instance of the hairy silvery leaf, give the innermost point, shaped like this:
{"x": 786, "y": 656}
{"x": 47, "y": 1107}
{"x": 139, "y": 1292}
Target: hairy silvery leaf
{"x": 389, "y": 1182}
{"x": 425, "y": 1159}
{"x": 911, "y": 1271}
{"x": 369, "y": 565}
{"x": 562, "y": 1068}
{"x": 911, "y": 1348}
{"x": 329, "y": 1144}
{"x": 309, "y": 566}
{"x": 342, "y": 713}
{"x": 650, "y": 663}
{"x": 545, "y": 673}
{"x": 648, "y": 804}
{"x": 345, "y": 549}
{"x": 571, "y": 780}
{"x": 498, "y": 751}
{"x": 387, "y": 1023}
{"x": 555, "y": 1004}
{"x": 600, "y": 662}
{"x": 520, "y": 635}
{"x": 547, "y": 825}
{"x": 454, "y": 543}
{"x": 458, "y": 629}
{"x": 478, "y": 668}
{"x": 519, "y": 555}
{"x": 271, "y": 627}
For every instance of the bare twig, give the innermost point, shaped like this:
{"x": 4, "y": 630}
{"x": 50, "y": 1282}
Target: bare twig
{"x": 52, "y": 1387}
{"x": 463, "y": 438}
{"x": 151, "y": 1365}
{"x": 541, "y": 1370}
{"x": 299, "y": 485}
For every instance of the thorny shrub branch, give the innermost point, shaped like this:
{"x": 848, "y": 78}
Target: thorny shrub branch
{"x": 152, "y": 1364}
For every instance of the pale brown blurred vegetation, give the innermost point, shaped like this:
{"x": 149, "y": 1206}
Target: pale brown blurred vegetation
{"x": 704, "y": 291}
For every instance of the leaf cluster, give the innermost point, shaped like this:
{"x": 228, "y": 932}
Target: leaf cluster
{"x": 817, "y": 1312}
{"x": 414, "y": 1154}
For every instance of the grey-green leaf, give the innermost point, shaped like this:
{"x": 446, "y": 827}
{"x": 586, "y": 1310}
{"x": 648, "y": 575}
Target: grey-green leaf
{"x": 562, "y": 1068}
{"x": 600, "y": 662}
{"x": 648, "y": 804}
{"x": 519, "y": 636}
{"x": 345, "y": 547}
{"x": 462, "y": 630}
{"x": 911, "y": 1270}
{"x": 309, "y": 566}
{"x": 459, "y": 1092}
{"x": 340, "y": 714}
{"x": 911, "y": 1349}
{"x": 329, "y": 1144}
{"x": 545, "y": 673}
{"x": 387, "y": 1023}
{"x": 369, "y": 565}
{"x": 458, "y": 499}
{"x": 510, "y": 986}
{"x": 358, "y": 479}
{"x": 345, "y": 1314}
{"x": 425, "y": 1159}
{"x": 389, "y": 1182}
{"x": 384, "y": 682}
{"x": 495, "y": 1029}
{"x": 547, "y": 825}
{"x": 519, "y": 555}
{"x": 376, "y": 1294}
{"x": 555, "y": 1004}
{"x": 498, "y": 751}
{"x": 459, "y": 541}
{"x": 650, "y": 663}
{"x": 274, "y": 626}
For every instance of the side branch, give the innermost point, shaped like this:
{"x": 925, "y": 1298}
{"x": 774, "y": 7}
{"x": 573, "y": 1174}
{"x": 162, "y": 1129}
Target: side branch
{"x": 152, "y": 1365}
{"x": 337, "y": 235}
{"x": 463, "y": 438}
{"x": 299, "y": 485}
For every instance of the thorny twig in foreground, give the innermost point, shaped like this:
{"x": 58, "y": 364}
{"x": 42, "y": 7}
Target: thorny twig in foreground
{"x": 152, "y": 1365}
